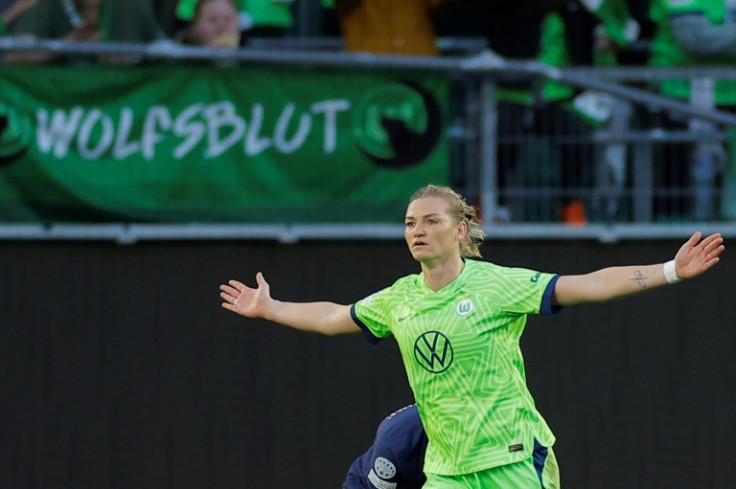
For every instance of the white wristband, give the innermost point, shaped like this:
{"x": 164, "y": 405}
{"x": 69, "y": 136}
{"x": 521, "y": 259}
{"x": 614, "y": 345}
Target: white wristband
{"x": 670, "y": 272}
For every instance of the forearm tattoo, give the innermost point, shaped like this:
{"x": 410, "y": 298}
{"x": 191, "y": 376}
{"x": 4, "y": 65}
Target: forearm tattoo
{"x": 641, "y": 279}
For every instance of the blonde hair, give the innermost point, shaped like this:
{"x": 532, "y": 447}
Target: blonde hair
{"x": 462, "y": 212}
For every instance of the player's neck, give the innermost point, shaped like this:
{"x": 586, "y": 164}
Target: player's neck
{"x": 438, "y": 274}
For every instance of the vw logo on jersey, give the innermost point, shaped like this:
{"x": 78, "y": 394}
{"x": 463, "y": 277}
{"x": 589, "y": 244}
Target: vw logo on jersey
{"x": 464, "y": 308}
{"x": 433, "y": 351}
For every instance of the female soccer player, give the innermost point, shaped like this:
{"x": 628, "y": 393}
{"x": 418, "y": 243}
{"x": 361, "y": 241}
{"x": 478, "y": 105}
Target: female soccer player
{"x": 458, "y": 324}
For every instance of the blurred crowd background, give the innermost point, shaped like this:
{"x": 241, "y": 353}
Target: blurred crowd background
{"x": 594, "y": 31}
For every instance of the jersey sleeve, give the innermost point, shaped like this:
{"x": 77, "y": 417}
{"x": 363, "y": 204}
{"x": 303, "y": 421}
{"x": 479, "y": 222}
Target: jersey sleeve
{"x": 548, "y": 308}
{"x": 525, "y": 291}
{"x": 371, "y": 314}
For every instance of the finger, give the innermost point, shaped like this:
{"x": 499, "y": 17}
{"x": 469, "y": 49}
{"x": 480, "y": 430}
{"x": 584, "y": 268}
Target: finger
{"x": 709, "y": 239}
{"x": 261, "y": 281}
{"x": 715, "y": 251}
{"x": 229, "y": 290}
{"x": 236, "y": 285}
{"x": 713, "y": 239}
{"x": 708, "y": 264}
{"x": 694, "y": 239}
{"x": 230, "y": 299}
{"x": 715, "y": 246}
{"x": 259, "y": 278}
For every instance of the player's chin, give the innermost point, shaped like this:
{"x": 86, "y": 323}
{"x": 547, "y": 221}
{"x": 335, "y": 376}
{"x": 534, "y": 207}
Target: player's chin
{"x": 420, "y": 253}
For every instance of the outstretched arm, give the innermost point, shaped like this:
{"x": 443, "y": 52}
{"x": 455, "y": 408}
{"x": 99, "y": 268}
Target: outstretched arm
{"x": 694, "y": 258}
{"x": 321, "y": 317}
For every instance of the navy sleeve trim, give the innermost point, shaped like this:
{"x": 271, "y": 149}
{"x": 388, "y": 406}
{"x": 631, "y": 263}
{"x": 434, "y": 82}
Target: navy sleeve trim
{"x": 372, "y": 339}
{"x": 547, "y": 308}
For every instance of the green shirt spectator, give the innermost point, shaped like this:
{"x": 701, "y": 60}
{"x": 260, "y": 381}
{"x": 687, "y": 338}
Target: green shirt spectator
{"x": 694, "y": 33}
{"x": 552, "y": 51}
{"x": 617, "y": 29}
{"x": 129, "y": 21}
{"x": 616, "y": 20}
{"x": 258, "y": 17}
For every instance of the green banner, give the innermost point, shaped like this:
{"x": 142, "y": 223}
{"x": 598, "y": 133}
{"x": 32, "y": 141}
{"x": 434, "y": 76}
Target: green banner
{"x": 200, "y": 143}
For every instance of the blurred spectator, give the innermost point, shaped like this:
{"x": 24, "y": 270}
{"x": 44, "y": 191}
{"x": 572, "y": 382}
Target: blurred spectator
{"x": 598, "y": 32}
{"x": 544, "y": 155}
{"x": 13, "y": 11}
{"x": 564, "y": 159}
{"x": 165, "y": 13}
{"x": 256, "y": 18}
{"x": 215, "y": 24}
{"x": 267, "y": 18}
{"x": 691, "y": 33}
{"x": 86, "y": 20}
{"x": 402, "y": 27}
{"x": 610, "y": 28}
{"x": 695, "y": 33}
{"x": 547, "y": 161}
{"x": 330, "y": 26}
{"x": 543, "y": 133}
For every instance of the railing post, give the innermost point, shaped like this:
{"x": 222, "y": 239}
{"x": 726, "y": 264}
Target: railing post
{"x": 488, "y": 151}
{"x": 707, "y": 155}
{"x": 643, "y": 177}
{"x": 466, "y": 130}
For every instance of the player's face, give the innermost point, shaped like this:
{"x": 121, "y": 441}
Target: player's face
{"x": 430, "y": 230}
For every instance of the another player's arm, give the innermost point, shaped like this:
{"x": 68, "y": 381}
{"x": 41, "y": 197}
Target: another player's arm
{"x": 320, "y": 317}
{"x": 694, "y": 257}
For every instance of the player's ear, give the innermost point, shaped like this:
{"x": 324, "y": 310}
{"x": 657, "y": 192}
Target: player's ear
{"x": 462, "y": 231}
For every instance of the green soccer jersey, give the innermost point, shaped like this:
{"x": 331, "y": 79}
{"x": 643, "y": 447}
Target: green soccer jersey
{"x": 460, "y": 348}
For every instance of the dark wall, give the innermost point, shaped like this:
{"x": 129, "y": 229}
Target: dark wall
{"x": 119, "y": 369}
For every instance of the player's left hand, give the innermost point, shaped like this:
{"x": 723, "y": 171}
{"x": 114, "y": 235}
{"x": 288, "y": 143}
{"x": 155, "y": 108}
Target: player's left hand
{"x": 698, "y": 255}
